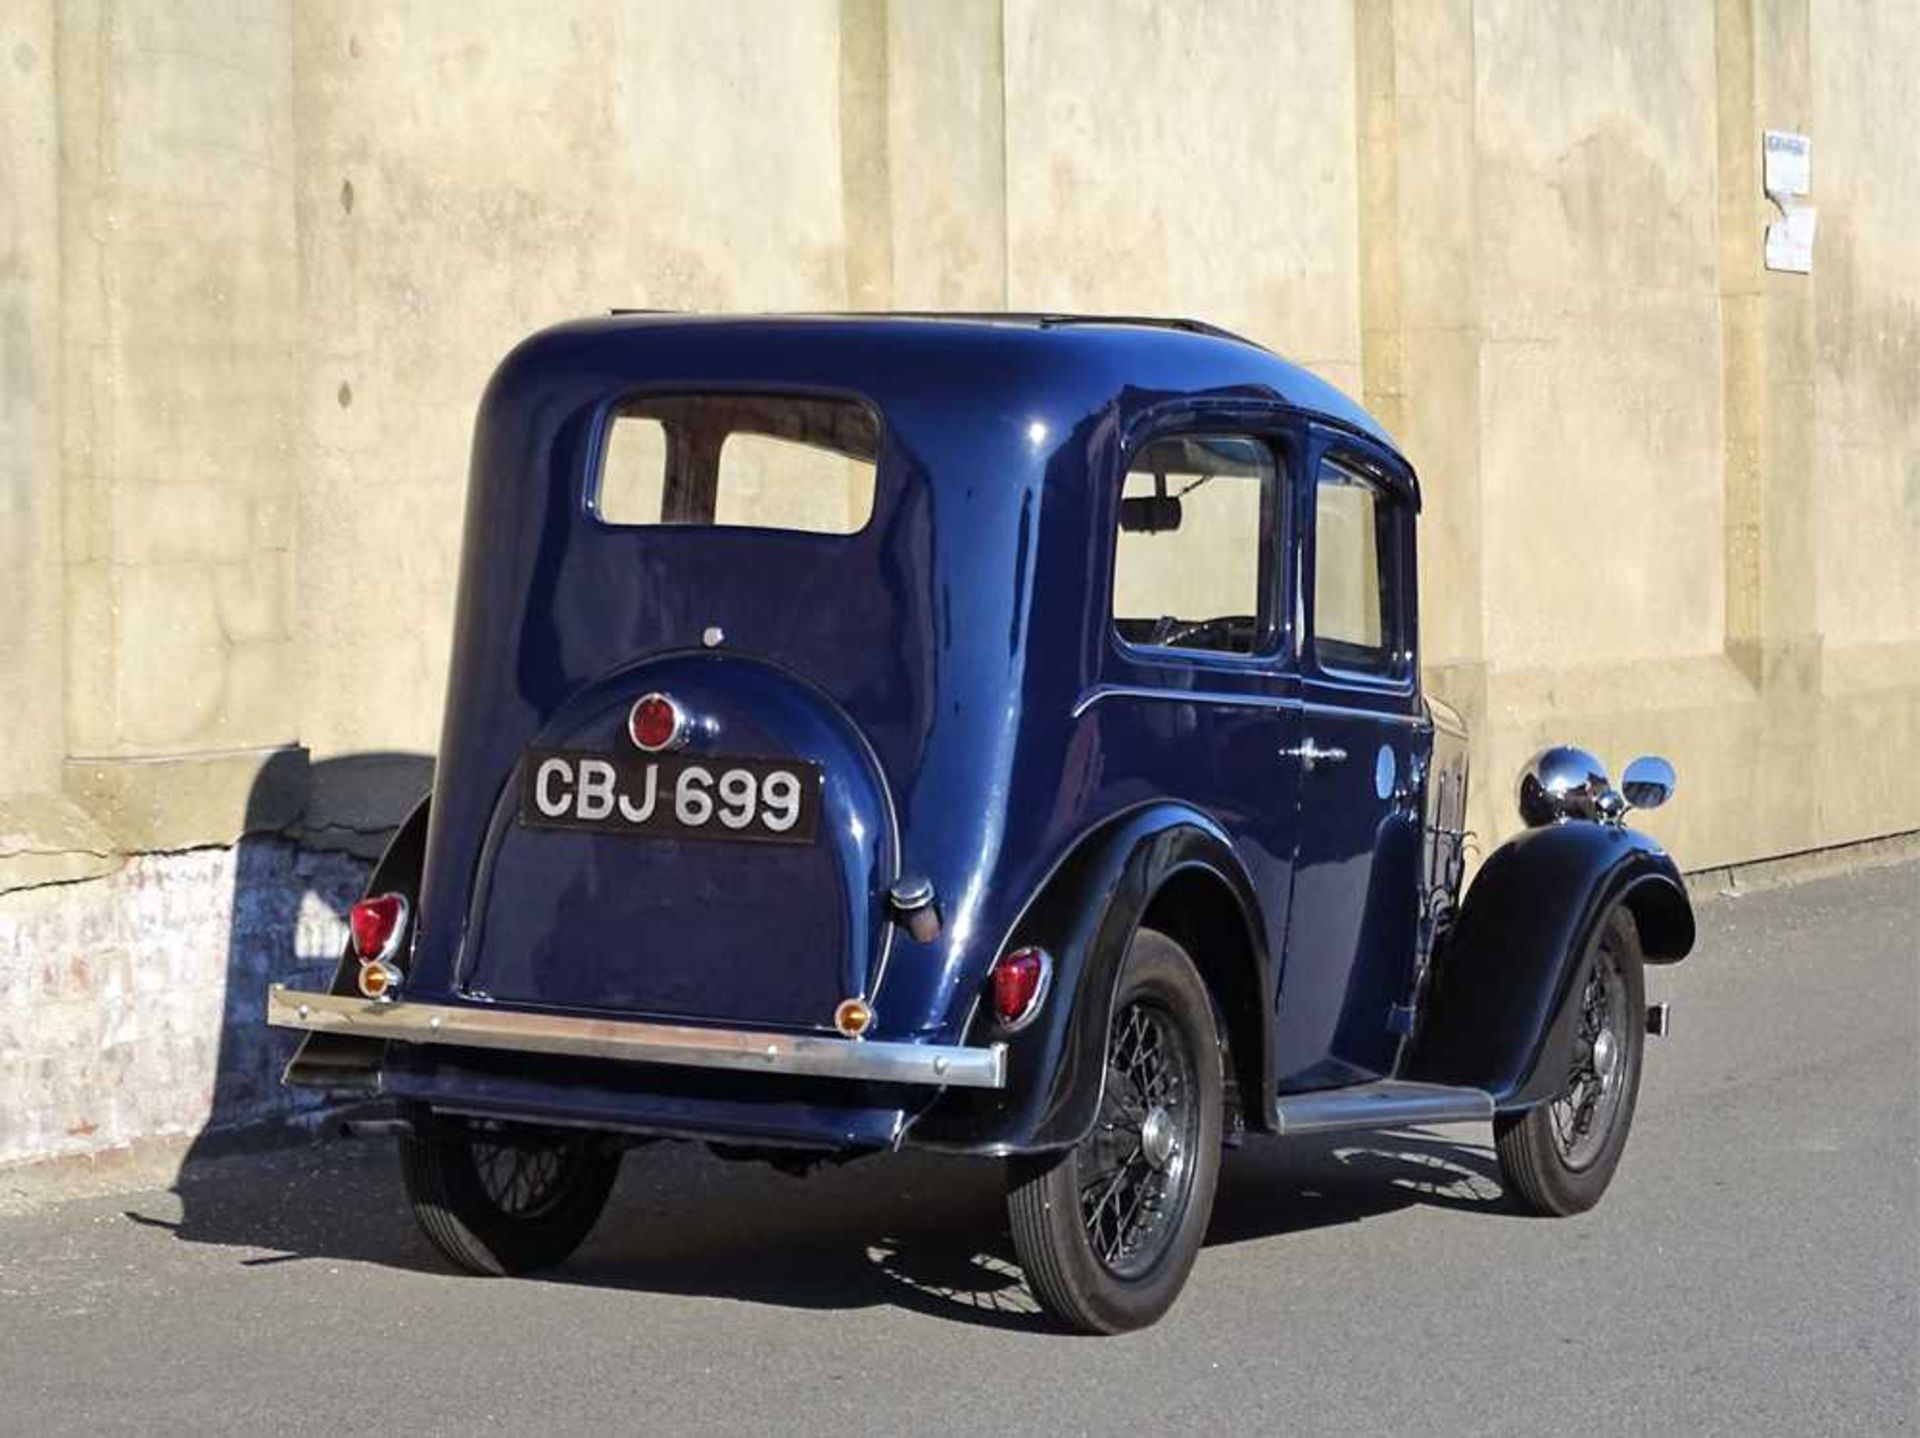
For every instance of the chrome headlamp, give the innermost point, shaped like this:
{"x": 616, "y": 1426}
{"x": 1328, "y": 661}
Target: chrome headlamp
{"x": 1564, "y": 783}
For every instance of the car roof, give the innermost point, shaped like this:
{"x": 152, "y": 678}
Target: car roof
{"x": 1022, "y": 319}
{"x": 1121, "y": 344}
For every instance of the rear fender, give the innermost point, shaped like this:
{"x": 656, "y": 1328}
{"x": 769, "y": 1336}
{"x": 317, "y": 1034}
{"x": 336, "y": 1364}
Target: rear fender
{"x": 341, "y": 1061}
{"x": 1085, "y": 916}
{"x": 1503, "y": 1005}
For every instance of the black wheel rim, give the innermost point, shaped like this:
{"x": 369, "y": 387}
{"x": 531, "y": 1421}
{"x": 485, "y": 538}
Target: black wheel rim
{"x": 1135, "y": 1170}
{"x": 524, "y": 1177}
{"x": 1583, "y": 1117}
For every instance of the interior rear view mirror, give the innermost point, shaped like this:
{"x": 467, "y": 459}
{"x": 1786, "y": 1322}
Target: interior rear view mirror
{"x": 1150, "y": 514}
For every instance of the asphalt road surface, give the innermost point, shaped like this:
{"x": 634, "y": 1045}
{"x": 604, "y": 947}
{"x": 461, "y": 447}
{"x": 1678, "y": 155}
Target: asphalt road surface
{"x": 1755, "y": 1269}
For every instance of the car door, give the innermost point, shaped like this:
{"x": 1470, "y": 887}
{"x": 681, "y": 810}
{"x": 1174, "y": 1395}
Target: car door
{"x": 1351, "y": 932}
{"x": 1199, "y": 698}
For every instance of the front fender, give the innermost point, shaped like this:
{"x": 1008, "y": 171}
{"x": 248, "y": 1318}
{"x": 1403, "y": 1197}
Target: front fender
{"x": 1500, "y": 1016}
{"x": 1085, "y": 915}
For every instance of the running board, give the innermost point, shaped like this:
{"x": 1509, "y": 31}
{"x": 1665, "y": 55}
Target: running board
{"x": 1385, "y": 1104}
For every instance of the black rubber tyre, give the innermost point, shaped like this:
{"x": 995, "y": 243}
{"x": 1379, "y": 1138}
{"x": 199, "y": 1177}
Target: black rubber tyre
{"x": 1108, "y": 1230}
{"x": 1558, "y": 1157}
{"x": 501, "y": 1199}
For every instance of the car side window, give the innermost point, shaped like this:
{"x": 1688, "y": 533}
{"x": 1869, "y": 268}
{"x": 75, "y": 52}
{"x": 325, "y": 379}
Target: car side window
{"x": 1355, "y": 578}
{"x": 1194, "y": 556}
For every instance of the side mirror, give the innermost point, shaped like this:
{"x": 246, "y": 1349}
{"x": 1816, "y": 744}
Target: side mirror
{"x": 1648, "y": 782}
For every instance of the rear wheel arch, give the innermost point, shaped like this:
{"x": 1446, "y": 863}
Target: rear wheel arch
{"x": 1197, "y": 908}
{"x": 1086, "y": 914}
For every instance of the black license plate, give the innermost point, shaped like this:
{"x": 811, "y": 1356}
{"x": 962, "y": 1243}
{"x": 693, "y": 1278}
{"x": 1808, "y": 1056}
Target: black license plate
{"x": 771, "y": 801}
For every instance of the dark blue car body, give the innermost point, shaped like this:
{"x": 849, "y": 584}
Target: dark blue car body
{"x": 980, "y": 723}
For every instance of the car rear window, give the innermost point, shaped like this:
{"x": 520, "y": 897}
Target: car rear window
{"x": 754, "y": 461}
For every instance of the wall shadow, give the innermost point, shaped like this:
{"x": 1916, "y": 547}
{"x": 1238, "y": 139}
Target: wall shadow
{"x": 312, "y": 832}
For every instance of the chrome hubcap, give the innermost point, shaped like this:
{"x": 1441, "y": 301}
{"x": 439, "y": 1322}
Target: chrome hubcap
{"x": 1606, "y": 1053}
{"x": 1158, "y": 1140}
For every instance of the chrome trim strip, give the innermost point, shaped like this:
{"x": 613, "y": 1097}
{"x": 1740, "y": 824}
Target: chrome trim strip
{"x": 1314, "y": 706}
{"x": 1239, "y": 701}
{"x": 632, "y": 1041}
{"x": 1181, "y": 696}
{"x": 1386, "y": 1103}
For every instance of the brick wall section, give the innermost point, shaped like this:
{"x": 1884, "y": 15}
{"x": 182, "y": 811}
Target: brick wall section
{"x": 132, "y": 1006}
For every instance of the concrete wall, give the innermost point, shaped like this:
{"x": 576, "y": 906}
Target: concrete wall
{"x": 179, "y": 282}
{"x": 257, "y": 258}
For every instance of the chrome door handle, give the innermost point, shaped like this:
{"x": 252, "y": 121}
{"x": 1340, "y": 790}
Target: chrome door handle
{"x": 1311, "y": 754}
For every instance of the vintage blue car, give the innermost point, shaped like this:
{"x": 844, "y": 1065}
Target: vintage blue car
{"x": 1000, "y": 734}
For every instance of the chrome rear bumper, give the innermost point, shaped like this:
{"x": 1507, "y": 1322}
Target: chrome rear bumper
{"x": 403, "y": 1021}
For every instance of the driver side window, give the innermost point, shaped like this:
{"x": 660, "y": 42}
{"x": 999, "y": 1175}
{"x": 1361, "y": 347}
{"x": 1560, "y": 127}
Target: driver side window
{"x": 1193, "y": 561}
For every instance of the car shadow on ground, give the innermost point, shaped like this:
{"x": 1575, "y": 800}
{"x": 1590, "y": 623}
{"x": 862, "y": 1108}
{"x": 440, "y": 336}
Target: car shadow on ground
{"x": 915, "y": 1231}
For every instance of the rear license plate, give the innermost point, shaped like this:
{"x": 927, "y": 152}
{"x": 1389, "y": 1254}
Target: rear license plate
{"x": 775, "y": 801}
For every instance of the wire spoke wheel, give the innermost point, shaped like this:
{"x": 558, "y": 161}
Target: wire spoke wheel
{"x": 1108, "y": 1230}
{"x": 1559, "y": 1156}
{"x": 1135, "y": 1170}
{"x": 1582, "y": 1118}
{"x": 504, "y": 1198}
{"x": 524, "y": 1180}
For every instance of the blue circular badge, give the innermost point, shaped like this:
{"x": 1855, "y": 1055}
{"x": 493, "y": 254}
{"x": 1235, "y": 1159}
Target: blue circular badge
{"x": 1385, "y": 771}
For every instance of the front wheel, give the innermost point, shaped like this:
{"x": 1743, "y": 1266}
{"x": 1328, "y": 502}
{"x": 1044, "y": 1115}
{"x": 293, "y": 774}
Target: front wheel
{"x": 1559, "y": 1156}
{"x": 1108, "y": 1230}
{"x": 504, "y": 1198}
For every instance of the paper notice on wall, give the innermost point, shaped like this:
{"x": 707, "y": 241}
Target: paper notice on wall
{"x": 1790, "y": 241}
{"x": 1787, "y": 179}
{"x": 1789, "y": 163}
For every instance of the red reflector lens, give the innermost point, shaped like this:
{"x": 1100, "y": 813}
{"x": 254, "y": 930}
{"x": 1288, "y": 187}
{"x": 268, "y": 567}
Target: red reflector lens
{"x": 655, "y": 723}
{"x": 1019, "y": 982}
{"x": 377, "y": 924}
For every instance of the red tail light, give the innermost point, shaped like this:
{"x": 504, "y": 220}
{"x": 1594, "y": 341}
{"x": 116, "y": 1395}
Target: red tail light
{"x": 655, "y": 723}
{"x": 1020, "y": 980}
{"x": 378, "y": 924}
